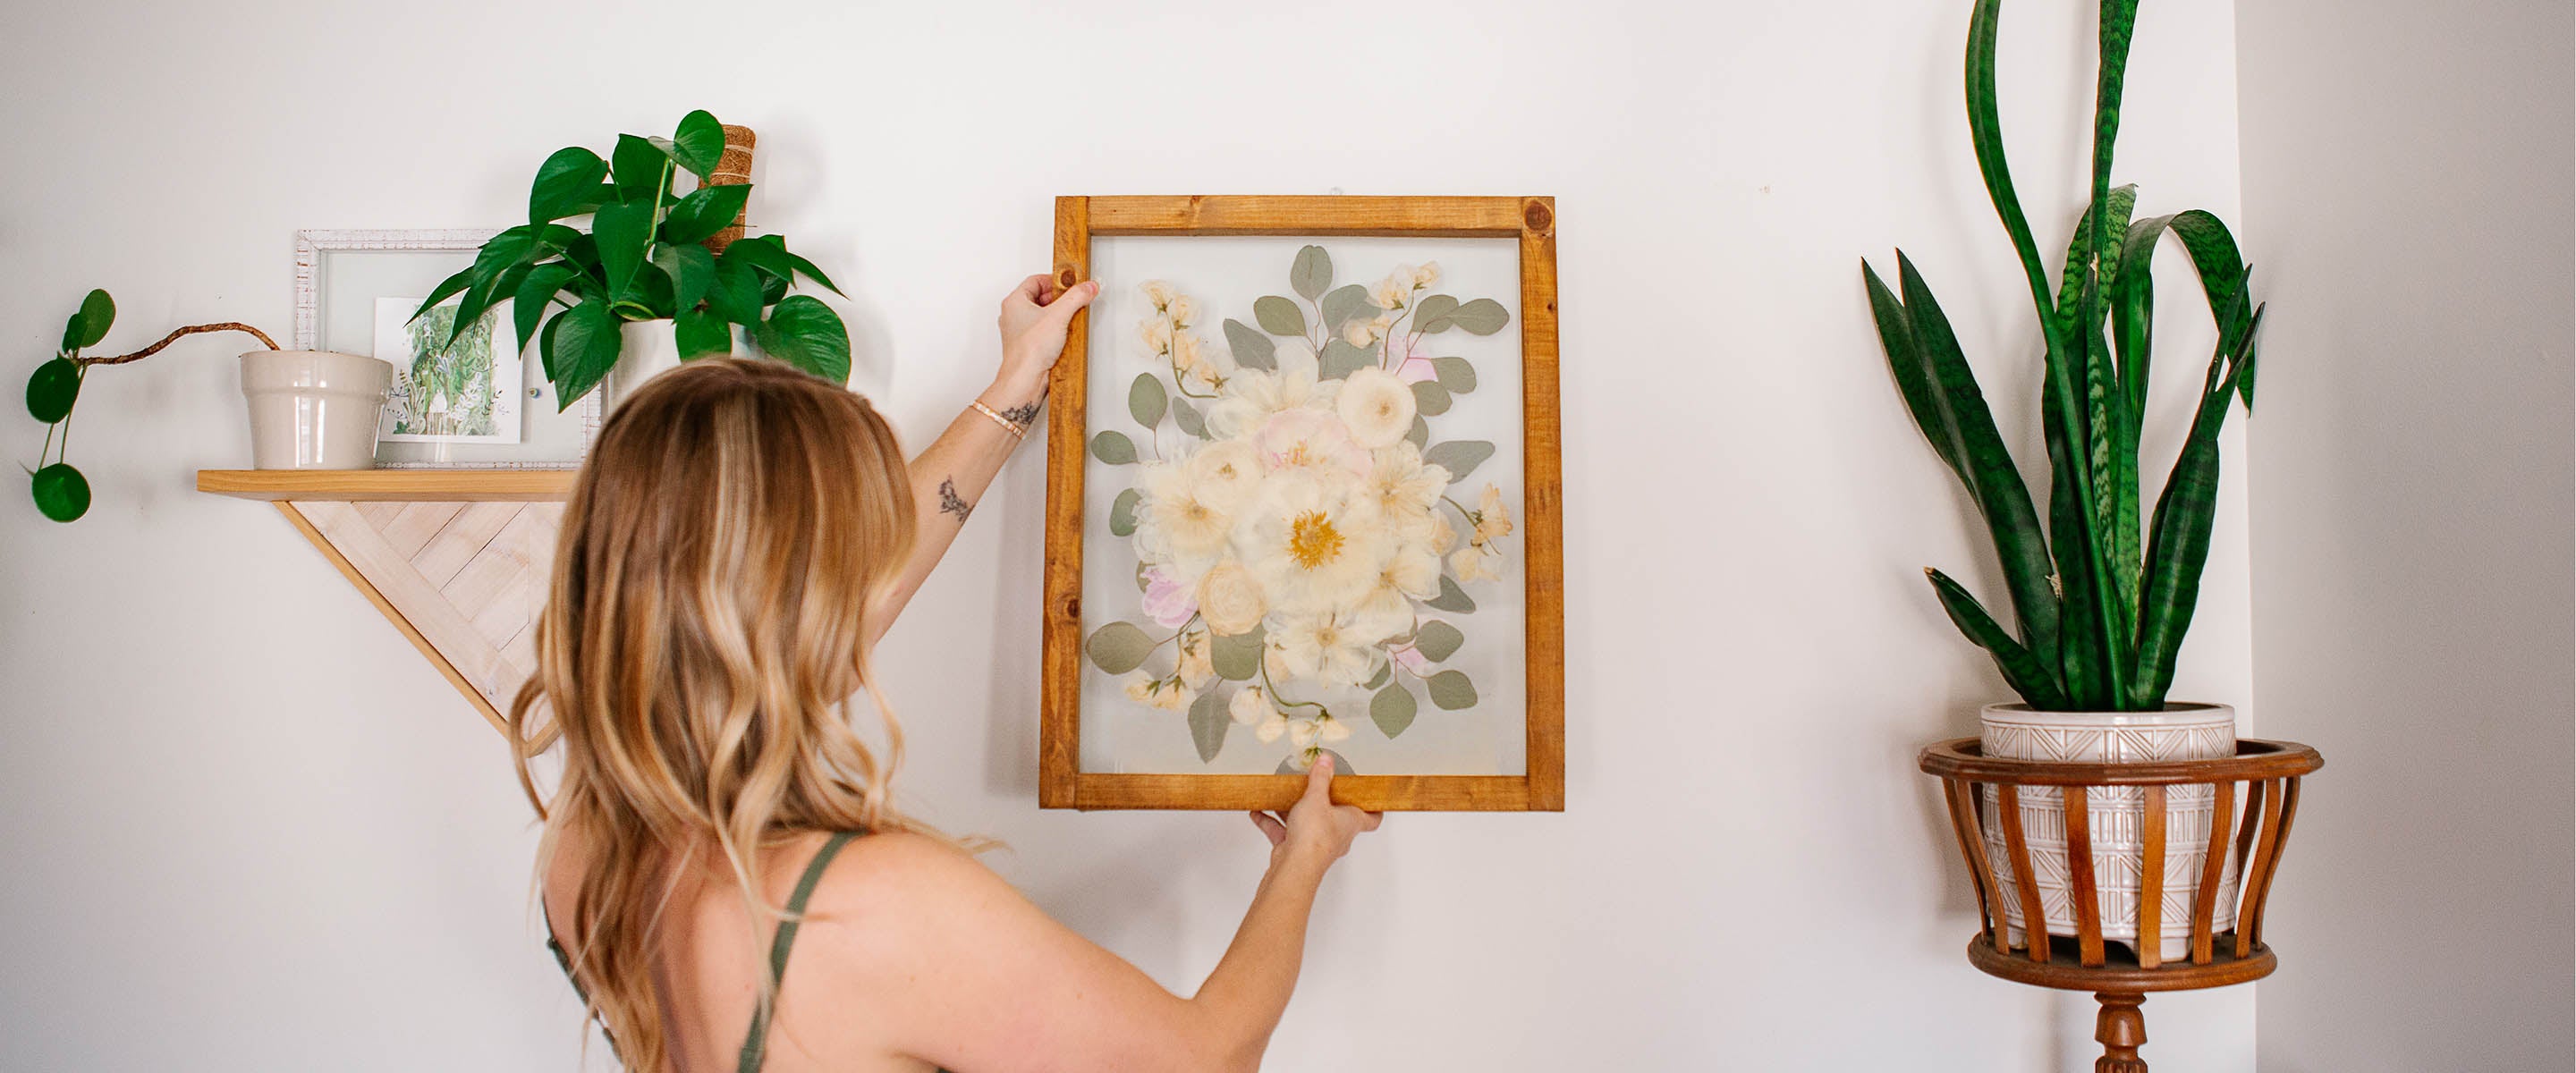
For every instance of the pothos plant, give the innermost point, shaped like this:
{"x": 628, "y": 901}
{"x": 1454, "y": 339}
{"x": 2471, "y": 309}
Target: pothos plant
{"x": 2100, "y": 602}
{"x": 644, "y": 259}
{"x": 60, "y": 491}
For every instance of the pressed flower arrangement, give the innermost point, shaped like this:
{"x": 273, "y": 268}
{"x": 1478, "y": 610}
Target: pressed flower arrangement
{"x": 1300, "y": 533}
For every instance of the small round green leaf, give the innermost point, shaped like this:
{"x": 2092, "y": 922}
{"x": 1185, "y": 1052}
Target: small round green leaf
{"x": 1146, "y": 400}
{"x": 53, "y": 389}
{"x": 1252, "y": 350}
{"x": 1452, "y": 599}
{"x": 1430, "y": 398}
{"x": 1279, "y": 316}
{"x": 1122, "y": 513}
{"x": 1311, "y": 273}
{"x": 1114, "y": 448}
{"x": 1208, "y": 724}
{"x": 1456, "y": 374}
{"x": 1237, "y": 658}
{"x": 97, "y": 312}
{"x": 1434, "y": 313}
{"x": 1119, "y": 647}
{"x": 1345, "y": 303}
{"x": 1451, "y": 690}
{"x": 1420, "y": 434}
{"x": 1438, "y": 640}
{"x": 1341, "y": 359}
{"x": 1393, "y": 708}
{"x": 61, "y": 492}
{"x": 1484, "y": 316}
{"x": 1189, "y": 418}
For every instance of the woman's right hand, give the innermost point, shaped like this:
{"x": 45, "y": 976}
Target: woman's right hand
{"x": 1316, "y": 827}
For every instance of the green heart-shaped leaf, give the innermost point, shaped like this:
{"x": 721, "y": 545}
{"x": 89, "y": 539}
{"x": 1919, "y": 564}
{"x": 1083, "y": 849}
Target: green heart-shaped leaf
{"x": 805, "y": 333}
{"x": 698, "y": 143}
{"x": 1392, "y": 709}
{"x": 642, "y": 170}
{"x": 579, "y": 348}
{"x": 701, "y": 334}
{"x": 567, "y": 184}
{"x": 1452, "y": 690}
{"x": 707, "y": 210}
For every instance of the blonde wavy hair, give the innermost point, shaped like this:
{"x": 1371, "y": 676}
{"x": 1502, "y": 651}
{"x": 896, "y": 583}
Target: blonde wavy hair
{"x": 716, "y": 585}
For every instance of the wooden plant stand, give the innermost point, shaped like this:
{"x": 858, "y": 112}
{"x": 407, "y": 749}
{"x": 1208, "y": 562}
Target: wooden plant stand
{"x": 2269, "y": 773}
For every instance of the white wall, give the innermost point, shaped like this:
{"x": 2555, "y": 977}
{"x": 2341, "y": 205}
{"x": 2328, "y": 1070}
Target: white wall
{"x": 2408, "y": 170}
{"x": 246, "y": 827}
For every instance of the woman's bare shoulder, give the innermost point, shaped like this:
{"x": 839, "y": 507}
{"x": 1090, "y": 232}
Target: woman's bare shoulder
{"x": 918, "y": 878}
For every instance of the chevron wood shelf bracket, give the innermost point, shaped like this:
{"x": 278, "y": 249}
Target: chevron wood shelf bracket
{"x": 457, "y": 560}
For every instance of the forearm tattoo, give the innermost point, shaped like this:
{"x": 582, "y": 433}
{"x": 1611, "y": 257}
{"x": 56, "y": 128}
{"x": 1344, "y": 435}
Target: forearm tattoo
{"x": 1023, "y": 413}
{"x": 951, "y": 503}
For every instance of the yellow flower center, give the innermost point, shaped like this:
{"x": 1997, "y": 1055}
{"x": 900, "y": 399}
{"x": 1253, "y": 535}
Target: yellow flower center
{"x": 1312, "y": 540}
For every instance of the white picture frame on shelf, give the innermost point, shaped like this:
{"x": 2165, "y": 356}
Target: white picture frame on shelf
{"x": 340, "y": 277}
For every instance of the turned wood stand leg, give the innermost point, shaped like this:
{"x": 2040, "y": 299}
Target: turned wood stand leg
{"x": 2121, "y": 1030}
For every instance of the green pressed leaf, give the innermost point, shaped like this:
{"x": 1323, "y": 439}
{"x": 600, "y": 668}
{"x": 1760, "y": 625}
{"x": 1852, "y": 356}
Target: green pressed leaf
{"x": 1385, "y": 671}
{"x": 1114, "y": 448}
{"x": 698, "y": 144}
{"x": 707, "y": 210}
{"x": 1456, "y": 374}
{"x": 1237, "y": 658}
{"x": 1312, "y": 273}
{"x": 1341, "y": 359}
{"x": 1122, "y": 513}
{"x": 61, "y": 493}
{"x": 1393, "y": 707}
{"x": 1430, "y": 398}
{"x": 624, "y": 232}
{"x": 1143, "y": 583}
{"x": 1484, "y": 316}
{"x": 581, "y": 346}
{"x": 1459, "y": 457}
{"x": 1279, "y": 316}
{"x": 642, "y": 171}
{"x": 701, "y": 334}
{"x": 1434, "y": 313}
{"x": 1119, "y": 647}
{"x": 53, "y": 389}
{"x": 97, "y": 313}
{"x": 1345, "y": 303}
{"x": 1188, "y": 418}
{"x": 1208, "y": 724}
{"x": 567, "y": 184}
{"x": 1420, "y": 434}
{"x": 805, "y": 333}
{"x": 1451, "y": 690}
{"x": 1452, "y": 599}
{"x": 539, "y": 287}
{"x": 2034, "y": 680}
{"x": 1252, "y": 350}
{"x": 1437, "y": 640}
{"x": 1147, "y": 401}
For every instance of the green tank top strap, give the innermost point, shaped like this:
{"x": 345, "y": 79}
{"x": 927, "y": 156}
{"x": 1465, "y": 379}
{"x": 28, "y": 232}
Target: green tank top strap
{"x": 755, "y": 1047}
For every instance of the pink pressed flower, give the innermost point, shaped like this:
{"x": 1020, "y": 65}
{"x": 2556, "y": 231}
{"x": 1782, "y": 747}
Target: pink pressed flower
{"x": 1168, "y": 602}
{"x": 1412, "y": 659}
{"x": 1416, "y": 369}
{"x": 1303, "y": 438}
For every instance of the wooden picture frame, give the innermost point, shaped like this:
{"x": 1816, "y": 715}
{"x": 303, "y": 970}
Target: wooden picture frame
{"x": 1532, "y": 221}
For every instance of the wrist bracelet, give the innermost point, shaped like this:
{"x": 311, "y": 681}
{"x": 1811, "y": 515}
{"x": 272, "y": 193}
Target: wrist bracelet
{"x": 1017, "y": 430}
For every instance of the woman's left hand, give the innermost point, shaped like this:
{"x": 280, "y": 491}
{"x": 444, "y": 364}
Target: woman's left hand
{"x": 1034, "y": 320}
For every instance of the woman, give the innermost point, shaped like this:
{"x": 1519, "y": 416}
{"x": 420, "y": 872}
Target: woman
{"x": 739, "y": 538}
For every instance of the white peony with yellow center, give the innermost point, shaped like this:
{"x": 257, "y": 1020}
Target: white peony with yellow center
{"x": 1313, "y": 540}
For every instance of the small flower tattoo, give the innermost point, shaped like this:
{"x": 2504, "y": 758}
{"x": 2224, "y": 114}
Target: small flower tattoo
{"x": 951, "y": 503}
{"x": 1022, "y": 414}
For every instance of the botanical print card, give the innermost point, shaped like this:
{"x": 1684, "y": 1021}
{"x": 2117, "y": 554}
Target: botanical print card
{"x": 464, "y": 390}
{"x": 1301, "y": 498}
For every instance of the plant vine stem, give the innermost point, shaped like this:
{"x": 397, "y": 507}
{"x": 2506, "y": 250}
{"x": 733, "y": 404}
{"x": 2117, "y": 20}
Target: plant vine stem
{"x": 193, "y": 329}
{"x": 1272, "y": 688}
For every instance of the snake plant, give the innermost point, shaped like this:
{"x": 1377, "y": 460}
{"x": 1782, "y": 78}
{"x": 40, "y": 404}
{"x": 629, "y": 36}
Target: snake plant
{"x": 2100, "y": 603}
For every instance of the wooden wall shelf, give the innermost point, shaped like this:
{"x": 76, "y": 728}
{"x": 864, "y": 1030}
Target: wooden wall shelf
{"x": 457, "y": 560}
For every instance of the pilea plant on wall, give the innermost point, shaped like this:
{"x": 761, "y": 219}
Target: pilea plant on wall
{"x": 2101, "y": 603}
{"x": 60, "y": 491}
{"x": 645, "y": 258}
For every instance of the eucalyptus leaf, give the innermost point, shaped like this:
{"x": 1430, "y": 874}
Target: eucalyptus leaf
{"x": 1312, "y": 273}
{"x": 1279, "y": 316}
{"x": 1147, "y": 401}
{"x": 60, "y": 491}
{"x": 1188, "y": 418}
{"x": 1385, "y": 670}
{"x": 1459, "y": 457}
{"x": 567, "y": 184}
{"x": 1122, "y": 513}
{"x": 1119, "y": 647}
{"x": 1456, "y": 374}
{"x": 1237, "y": 657}
{"x": 1437, "y": 640}
{"x": 698, "y": 143}
{"x": 1252, "y": 350}
{"x": 1452, "y": 599}
{"x": 1345, "y": 303}
{"x": 1393, "y": 708}
{"x": 1431, "y": 315}
{"x": 1451, "y": 690}
{"x": 1420, "y": 434}
{"x": 1341, "y": 359}
{"x": 1430, "y": 398}
{"x": 1143, "y": 583}
{"x": 805, "y": 333}
{"x": 53, "y": 389}
{"x": 1114, "y": 448}
{"x": 1208, "y": 724}
{"x": 1484, "y": 316}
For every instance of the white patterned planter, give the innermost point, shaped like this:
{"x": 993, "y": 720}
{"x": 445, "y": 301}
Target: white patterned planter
{"x": 2180, "y": 732}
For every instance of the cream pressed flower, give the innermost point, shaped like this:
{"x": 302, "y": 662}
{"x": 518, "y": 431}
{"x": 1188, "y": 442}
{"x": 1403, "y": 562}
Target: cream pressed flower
{"x": 1142, "y": 689}
{"x": 1492, "y": 518}
{"x": 1157, "y": 334}
{"x": 1178, "y": 526}
{"x": 1226, "y": 473}
{"x": 1158, "y": 293}
{"x": 1188, "y": 350}
{"x": 1309, "y": 733}
{"x": 1182, "y": 310}
{"x": 1475, "y": 563}
{"x": 1196, "y": 668}
{"x": 1310, "y": 439}
{"x": 1168, "y": 601}
{"x": 1395, "y": 290}
{"x": 1442, "y": 534}
{"x": 1249, "y": 708}
{"x": 1358, "y": 333}
{"x": 1174, "y": 696}
{"x": 1230, "y": 599}
{"x": 1406, "y": 491}
{"x": 1252, "y": 396}
{"x": 1327, "y": 648}
{"x": 1314, "y": 542}
{"x": 1376, "y": 407}
{"x": 1426, "y": 275}
{"x": 1387, "y": 611}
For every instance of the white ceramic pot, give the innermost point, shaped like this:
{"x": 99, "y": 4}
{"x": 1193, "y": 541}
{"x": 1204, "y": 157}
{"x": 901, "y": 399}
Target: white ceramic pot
{"x": 2116, "y": 815}
{"x": 646, "y": 349}
{"x": 313, "y": 409}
